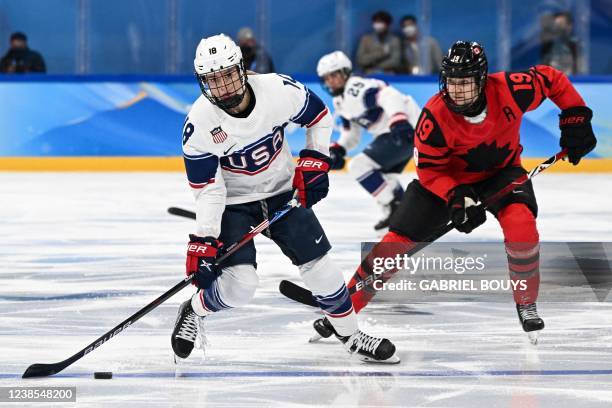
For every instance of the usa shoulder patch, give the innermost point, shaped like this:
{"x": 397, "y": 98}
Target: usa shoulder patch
{"x": 218, "y": 135}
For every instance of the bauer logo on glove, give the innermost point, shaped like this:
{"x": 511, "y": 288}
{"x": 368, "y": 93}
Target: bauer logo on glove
{"x": 201, "y": 256}
{"x": 310, "y": 179}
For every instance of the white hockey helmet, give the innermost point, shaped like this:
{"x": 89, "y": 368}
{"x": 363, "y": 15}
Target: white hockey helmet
{"x": 332, "y": 62}
{"x": 220, "y": 71}
{"x": 335, "y": 61}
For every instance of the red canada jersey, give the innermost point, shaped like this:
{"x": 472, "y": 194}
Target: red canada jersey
{"x": 450, "y": 151}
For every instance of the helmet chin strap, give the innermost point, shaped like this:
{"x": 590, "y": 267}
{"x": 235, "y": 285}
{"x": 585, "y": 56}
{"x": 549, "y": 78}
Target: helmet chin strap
{"x": 477, "y": 107}
{"x": 231, "y": 102}
{"x": 336, "y": 92}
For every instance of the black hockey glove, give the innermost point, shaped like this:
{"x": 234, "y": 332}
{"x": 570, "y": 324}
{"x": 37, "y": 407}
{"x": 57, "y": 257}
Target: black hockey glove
{"x": 336, "y": 154}
{"x": 402, "y": 129}
{"x": 201, "y": 256}
{"x": 310, "y": 179}
{"x": 576, "y": 132}
{"x": 463, "y": 211}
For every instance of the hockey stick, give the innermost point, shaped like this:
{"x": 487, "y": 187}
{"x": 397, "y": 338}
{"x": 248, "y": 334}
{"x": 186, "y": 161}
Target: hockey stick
{"x": 302, "y": 295}
{"x": 44, "y": 370}
{"x": 181, "y": 212}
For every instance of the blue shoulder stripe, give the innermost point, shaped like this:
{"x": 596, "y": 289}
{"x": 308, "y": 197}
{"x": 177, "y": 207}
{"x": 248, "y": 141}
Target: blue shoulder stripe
{"x": 369, "y": 98}
{"x": 313, "y": 107}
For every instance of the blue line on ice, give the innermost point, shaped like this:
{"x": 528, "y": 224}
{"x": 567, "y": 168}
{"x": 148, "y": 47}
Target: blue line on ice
{"x": 74, "y": 296}
{"x": 297, "y": 374}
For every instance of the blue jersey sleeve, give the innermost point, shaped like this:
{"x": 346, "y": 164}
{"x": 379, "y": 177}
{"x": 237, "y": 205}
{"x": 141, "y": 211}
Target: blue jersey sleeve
{"x": 201, "y": 169}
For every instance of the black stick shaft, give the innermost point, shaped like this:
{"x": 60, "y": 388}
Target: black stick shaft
{"x": 302, "y": 295}
{"x": 44, "y": 370}
{"x": 182, "y": 212}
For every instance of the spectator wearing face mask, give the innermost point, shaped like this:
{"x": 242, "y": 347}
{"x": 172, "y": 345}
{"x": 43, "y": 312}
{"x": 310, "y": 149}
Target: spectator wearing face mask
{"x": 379, "y": 51}
{"x": 411, "y": 41}
{"x": 559, "y": 47}
{"x": 20, "y": 59}
{"x": 254, "y": 56}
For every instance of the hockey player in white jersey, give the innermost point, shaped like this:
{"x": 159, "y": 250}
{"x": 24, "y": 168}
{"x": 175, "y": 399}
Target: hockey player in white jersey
{"x": 382, "y": 110}
{"x": 240, "y": 168}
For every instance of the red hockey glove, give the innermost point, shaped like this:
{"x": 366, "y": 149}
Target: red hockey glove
{"x": 336, "y": 154}
{"x": 576, "y": 132}
{"x": 201, "y": 256}
{"x": 463, "y": 211}
{"x": 310, "y": 179}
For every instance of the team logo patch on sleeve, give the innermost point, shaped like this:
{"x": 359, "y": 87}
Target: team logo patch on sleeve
{"x": 218, "y": 135}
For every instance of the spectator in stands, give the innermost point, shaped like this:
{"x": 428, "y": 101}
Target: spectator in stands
{"x": 379, "y": 51}
{"x": 20, "y": 59}
{"x": 559, "y": 47}
{"x": 254, "y": 56}
{"x": 411, "y": 59}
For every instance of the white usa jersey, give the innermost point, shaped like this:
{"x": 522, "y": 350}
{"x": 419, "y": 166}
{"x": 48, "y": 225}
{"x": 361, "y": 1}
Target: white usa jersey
{"x": 232, "y": 160}
{"x": 373, "y": 105}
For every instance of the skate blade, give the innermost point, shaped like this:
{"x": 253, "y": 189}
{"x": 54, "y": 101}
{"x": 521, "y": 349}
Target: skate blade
{"x": 394, "y": 359}
{"x": 178, "y": 360}
{"x": 179, "y": 365}
{"x": 189, "y": 361}
{"x": 315, "y": 338}
{"x": 533, "y": 336}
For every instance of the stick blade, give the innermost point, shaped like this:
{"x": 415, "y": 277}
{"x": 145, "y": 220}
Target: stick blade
{"x": 297, "y": 293}
{"x": 42, "y": 370}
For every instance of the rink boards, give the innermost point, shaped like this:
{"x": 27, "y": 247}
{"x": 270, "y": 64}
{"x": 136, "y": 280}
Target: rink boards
{"x": 135, "y": 123}
{"x": 175, "y": 164}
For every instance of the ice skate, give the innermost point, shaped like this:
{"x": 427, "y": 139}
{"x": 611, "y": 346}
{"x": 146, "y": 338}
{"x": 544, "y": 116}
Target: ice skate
{"x": 367, "y": 348}
{"x": 323, "y": 328}
{"x": 188, "y": 328}
{"x": 370, "y": 349}
{"x": 388, "y": 211}
{"x": 531, "y": 322}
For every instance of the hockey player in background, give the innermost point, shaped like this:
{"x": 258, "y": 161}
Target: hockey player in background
{"x": 387, "y": 114}
{"x": 467, "y": 147}
{"x": 240, "y": 168}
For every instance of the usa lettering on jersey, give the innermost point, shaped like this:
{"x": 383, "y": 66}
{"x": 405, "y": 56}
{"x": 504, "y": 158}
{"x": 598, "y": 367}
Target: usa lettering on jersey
{"x": 257, "y": 157}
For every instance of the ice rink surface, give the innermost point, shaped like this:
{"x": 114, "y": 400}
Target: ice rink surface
{"x": 82, "y": 251}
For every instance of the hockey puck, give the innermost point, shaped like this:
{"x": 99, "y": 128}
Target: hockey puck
{"x": 103, "y": 375}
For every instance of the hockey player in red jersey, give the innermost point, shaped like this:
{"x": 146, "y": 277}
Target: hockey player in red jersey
{"x": 467, "y": 147}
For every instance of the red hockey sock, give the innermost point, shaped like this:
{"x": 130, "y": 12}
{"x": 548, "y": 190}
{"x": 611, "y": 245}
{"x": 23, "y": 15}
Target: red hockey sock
{"x": 391, "y": 244}
{"x": 523, "y": 250}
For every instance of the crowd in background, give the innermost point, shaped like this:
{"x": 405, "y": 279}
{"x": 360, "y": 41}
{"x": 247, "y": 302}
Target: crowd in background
{"x": 379, "y": 51}
{"x": 382, "y": 51}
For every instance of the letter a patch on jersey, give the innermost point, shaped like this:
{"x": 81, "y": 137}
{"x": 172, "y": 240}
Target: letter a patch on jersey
{"x": 218, "y": 135}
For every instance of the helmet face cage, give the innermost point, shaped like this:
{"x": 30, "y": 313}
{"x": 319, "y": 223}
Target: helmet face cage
{"x": 466, "y": 63}
{"x": 225, "y": 87}
{"x": 346, "y": 72}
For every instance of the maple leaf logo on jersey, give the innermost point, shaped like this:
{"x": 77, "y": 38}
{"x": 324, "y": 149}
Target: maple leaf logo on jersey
{"x": 218, "y": 135}
{"x": 485, "y": 157}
